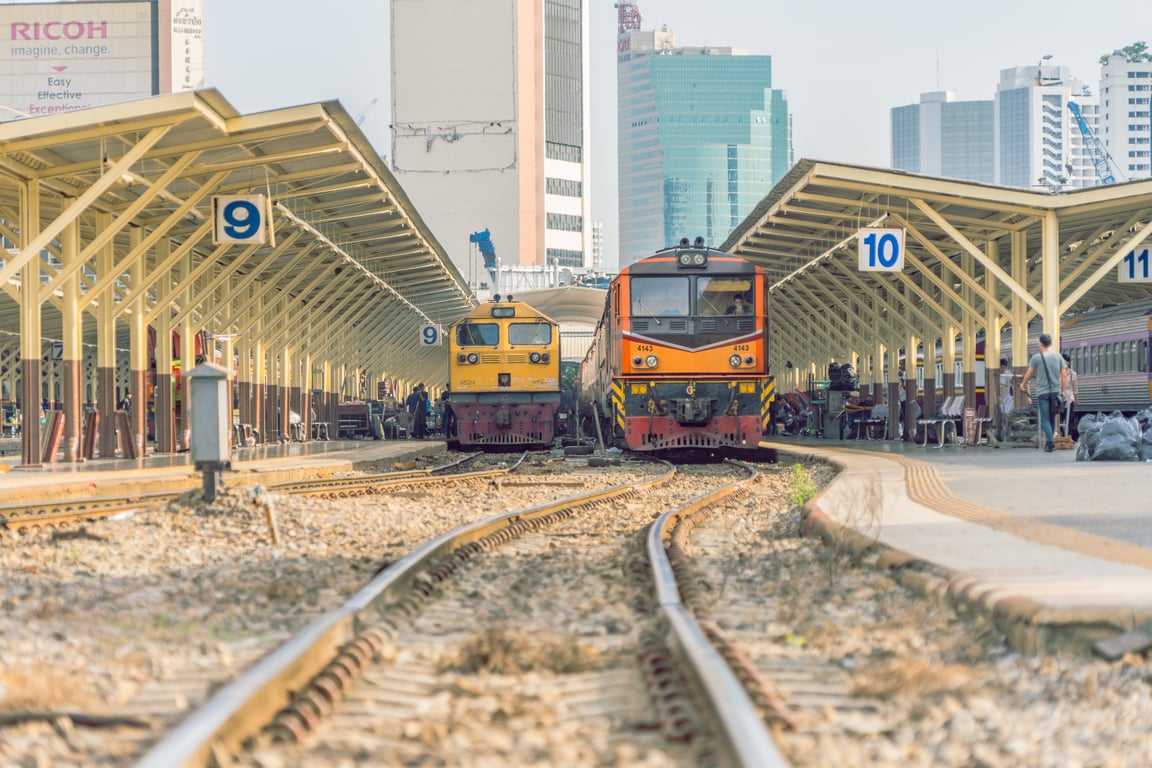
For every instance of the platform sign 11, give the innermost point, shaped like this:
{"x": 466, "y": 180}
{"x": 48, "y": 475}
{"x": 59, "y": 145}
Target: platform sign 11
{"x": 880, "y": 250}
{"x": 1134, "y": 267}
{"x": 239, "y": 219}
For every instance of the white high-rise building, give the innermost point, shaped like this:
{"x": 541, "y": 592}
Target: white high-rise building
{"x": 943, "y": 136}
{"x": 1126, "y": 116}
{"x": 1038, "y": 140}
{"x": 490, "y": 127}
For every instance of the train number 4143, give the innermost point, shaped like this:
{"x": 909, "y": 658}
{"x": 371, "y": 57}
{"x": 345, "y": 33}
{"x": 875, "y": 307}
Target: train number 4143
{"x": 1134, "y": 267}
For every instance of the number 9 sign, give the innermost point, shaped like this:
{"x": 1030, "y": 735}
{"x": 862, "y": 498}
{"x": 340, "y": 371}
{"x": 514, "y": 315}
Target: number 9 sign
{"x": 238, "y": 219}
{"x": 430, "y": 335}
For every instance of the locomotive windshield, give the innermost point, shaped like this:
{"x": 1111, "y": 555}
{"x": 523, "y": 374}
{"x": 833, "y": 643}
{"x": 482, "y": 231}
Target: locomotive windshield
{"x": 478, "y": 334}
{"x": 724, "y": 296}
{"x": 660, "y": 295}
{"x": 530, "y": 333}
{"x": 706, "y": 296}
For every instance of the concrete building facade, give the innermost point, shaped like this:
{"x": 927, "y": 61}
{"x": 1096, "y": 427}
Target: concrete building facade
{"x": 490, "y": 126}
{"x": 942, "y": 136}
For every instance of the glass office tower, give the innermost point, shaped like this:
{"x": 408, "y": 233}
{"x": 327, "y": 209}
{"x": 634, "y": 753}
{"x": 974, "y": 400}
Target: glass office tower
{"x": 703, "y": 137}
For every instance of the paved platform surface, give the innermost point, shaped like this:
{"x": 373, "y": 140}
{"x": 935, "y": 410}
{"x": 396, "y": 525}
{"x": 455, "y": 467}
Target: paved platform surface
{"x": 1057, "y": 551}
{"x": 250, "y": 466}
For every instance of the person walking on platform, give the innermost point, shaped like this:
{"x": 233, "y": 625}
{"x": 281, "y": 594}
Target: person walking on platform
{"x": 1070, "y": 391}
{"x": 447, "y": 419}
{"x": 1048, "y": 386}
{"x": 1006, "y": 376}
{"x": 418, "y": 408}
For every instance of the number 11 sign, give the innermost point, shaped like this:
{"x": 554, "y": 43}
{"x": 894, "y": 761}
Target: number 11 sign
{"x": 1133, "y": 268}
{"x": 881, "y": 250}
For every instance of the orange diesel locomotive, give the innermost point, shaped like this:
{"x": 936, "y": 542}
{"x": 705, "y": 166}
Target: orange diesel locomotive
{"x": 680, "y": 356}
{"x": 504, "y": 377}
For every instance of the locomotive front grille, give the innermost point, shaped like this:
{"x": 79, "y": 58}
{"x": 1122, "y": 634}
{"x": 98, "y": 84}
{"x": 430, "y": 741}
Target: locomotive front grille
{"x": 693, "y": 441}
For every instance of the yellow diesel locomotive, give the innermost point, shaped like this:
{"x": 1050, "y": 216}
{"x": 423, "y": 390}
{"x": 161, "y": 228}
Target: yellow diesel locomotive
{"x": 504, "y": 377}
{"x": 679, "y": 359}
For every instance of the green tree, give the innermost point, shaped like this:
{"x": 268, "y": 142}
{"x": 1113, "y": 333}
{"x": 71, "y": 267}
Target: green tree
{"x": 1138, "y": 51}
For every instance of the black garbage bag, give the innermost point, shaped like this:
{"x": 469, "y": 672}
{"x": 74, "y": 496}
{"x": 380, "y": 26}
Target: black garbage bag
{"x": 1114, "y": 437}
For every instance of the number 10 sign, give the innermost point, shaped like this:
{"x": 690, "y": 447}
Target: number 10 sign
{"x": 239, "y": 219}
{"x": 881, "y": 250}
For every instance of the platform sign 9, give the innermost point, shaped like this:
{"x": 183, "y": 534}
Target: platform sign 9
{"x": 881, "y": 250}
{"x": 239, "y": 219}
{"x": 1134, "y": 268}
{"x": 430, "y": 335}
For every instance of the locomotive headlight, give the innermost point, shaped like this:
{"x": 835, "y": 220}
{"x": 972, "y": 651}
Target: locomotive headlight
{"x": 748, "y": 360}
{"x": 651, "y": 361}
{"x": 734, "y": 361}
{"x": 473, "y": 358}
{"x": 637, "y": 361}
{"x": 690, "y": 259}
{"x": 534, "y": 357}
{"x": 461, "y": 358}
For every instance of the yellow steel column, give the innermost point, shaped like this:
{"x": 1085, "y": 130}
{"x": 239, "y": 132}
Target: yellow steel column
{"x": 106, "y": 350}
{"x": 1050, "y": 276}
{"x": 1020, "y": 351}
{"x": 187, "y": 353}
{"x": 72, "y": 359}
{"x": 163, "y": 398}
{"x": 30, "y": 329}
{"x": 138, "y": 362}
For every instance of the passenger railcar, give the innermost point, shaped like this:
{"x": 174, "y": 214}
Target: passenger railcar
{"x": 504, "y": 377}
{"x": 679, "y": 359}
{"x": 1109, "y": 350}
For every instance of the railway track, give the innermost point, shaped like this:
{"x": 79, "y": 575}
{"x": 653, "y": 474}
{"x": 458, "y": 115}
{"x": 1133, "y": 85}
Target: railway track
{"x": 62, "y": 514}
{"x": 326, "y": 692}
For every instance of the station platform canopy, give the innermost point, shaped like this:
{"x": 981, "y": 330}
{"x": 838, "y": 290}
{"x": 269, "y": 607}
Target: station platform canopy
{"x": 975, "y": 259}
{"x": 114, "y": 216}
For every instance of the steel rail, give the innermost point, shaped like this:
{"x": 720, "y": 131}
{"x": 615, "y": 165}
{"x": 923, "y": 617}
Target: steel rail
{"x": 742, "y": 728}
{"x": 240, "y": 709}
{"x": 52, "y": 513}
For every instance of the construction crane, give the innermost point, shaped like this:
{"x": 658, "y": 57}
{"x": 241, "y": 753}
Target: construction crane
{"x": 1099, "y": 156}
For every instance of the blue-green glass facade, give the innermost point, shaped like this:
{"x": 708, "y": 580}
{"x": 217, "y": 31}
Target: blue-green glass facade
{"x": 702, "y": 139}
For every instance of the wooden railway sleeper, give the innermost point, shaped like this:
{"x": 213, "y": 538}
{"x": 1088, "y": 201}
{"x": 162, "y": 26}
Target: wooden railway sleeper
{"x": 324, "y": 690}
{"x": 666, "y": 689}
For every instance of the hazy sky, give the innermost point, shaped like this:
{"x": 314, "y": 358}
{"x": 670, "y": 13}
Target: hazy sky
{"x": 843, "y": 64}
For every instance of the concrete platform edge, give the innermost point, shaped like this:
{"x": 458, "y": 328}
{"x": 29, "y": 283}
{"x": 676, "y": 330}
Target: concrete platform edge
{"x": 1030, "y": 626}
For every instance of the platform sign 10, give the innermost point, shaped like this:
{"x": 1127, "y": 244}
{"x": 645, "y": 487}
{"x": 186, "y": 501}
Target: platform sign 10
{"x": 430, "y": 335}
{"x": 1134, "y": 267}
{"x": 881, "y": 250}
{"x": 239, "y": 219}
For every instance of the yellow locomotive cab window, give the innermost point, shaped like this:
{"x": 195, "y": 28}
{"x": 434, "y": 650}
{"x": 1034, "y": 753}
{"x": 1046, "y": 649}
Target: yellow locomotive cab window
{"x": 530, "y": 333}
{"x": 639, "y": 389}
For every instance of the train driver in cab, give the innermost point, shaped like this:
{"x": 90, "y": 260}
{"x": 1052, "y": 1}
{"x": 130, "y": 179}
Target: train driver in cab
{"x": 738, "y": 306}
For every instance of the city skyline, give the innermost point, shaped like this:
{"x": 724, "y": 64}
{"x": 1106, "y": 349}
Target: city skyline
{"x": 843, "y": 65}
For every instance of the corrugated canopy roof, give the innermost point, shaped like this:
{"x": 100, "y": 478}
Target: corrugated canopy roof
{"x": 352, "y": 276}
{"x": 973, "y": 251}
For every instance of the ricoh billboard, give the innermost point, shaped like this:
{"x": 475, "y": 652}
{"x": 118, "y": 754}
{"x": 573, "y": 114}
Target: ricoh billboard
{"x": 61, "y": 57}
